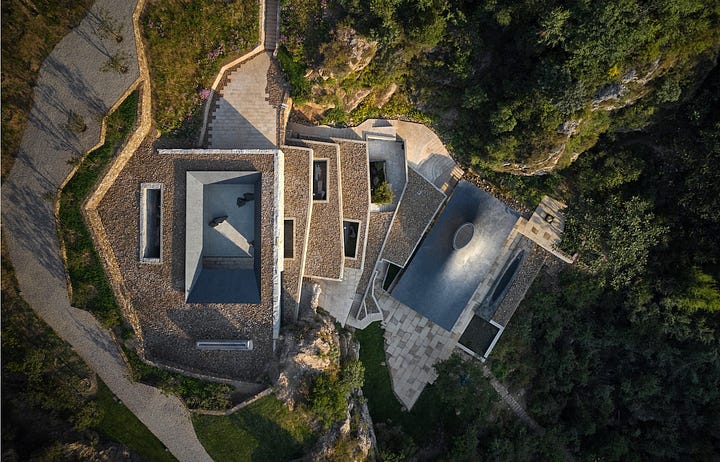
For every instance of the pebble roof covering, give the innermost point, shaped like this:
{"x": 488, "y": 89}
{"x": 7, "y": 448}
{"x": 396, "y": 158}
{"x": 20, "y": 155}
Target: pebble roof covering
{"x": 324, "y": 256}
{"x": 527, "y": 273}
{"x": 298, "y": 197}
{"x": 355, "y": 191}
{"x": 377, "y": 230}
{"x": 169, "y": 326}
{"x": 417, "y": 207}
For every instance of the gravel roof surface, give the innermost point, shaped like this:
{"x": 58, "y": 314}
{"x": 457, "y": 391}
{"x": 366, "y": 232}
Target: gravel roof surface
{"x": 324, "y": 257}
{"x": 298, "y": 197}
{"x": 169, "y": 326}
{"x": 377, "y": 230}
{"x": 526, "y": 274}
{"x": 354, "y": 170}
{"x": 415, "y": 211}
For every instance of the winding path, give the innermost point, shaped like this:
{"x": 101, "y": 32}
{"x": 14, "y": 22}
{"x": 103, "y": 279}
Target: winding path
{"x": 71, "y": 81}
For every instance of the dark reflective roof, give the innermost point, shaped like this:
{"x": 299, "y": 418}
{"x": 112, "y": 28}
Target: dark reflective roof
{"x": 439, "y": 281}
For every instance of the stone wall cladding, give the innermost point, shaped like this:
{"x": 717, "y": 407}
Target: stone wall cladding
{"x": 355, "y": 191}
{"x": 171, "y": 326}
{"x": 377, "y": 230}
{"x": 527, "y": 273}
{"x": 297, "y": 198}
{"x": 324, "y": 255}
{"x": 416, "y": 210}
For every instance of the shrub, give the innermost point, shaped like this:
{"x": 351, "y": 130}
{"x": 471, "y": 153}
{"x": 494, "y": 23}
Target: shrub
{"x": 329, "y": 393}
{"x": 382, "y": 194}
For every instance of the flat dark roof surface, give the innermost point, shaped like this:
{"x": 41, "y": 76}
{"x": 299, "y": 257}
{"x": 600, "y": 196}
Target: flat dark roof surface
{"x": 439, "y": 281}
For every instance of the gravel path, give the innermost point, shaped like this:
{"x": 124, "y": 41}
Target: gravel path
{"x": 71, "y": 81}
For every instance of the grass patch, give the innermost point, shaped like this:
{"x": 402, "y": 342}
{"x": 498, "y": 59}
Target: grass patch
{"x": 187, "y": 44}
{"x": 90, "y": 287}
{"x": 264, "y": 430}
{"x": 195, "y": 393}
{"x": 30, "y": 30}
{"x": 426, "y": 416}
{"x": 121, "y": 425}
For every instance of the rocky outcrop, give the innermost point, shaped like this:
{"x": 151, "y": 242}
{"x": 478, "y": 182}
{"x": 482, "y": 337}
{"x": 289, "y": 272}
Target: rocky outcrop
{"x": 311, "y": 347}
{"x": 348, "y": 52}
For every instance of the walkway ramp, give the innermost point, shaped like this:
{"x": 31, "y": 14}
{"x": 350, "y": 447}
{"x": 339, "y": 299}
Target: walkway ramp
{"x": 243, "y": 115}
{"x": 272, "y": 24}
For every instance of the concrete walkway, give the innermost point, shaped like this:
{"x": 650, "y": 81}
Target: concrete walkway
{"x": 71, "y": 80}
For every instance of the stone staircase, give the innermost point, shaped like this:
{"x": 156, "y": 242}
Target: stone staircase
{"x": 272, "y": 24}
{"x": 242, "y": 116}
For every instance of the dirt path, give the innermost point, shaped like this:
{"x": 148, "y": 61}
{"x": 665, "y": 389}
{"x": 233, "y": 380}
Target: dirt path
{"x": 72, "y": 81}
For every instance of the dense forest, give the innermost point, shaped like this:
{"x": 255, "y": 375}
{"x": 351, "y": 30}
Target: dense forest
{"x": 617, "y": 356}
{"x": 520, "y": 86}
{"x": 621, "y": 352}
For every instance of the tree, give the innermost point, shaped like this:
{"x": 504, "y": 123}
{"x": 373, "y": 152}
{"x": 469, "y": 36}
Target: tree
{"x": 382, "y": 194}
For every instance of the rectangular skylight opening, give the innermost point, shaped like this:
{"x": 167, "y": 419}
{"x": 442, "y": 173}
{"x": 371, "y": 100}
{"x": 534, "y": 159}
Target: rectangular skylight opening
{"x": 150, "y": 222}
{"x": 351, "y": 230}
{"x": 319, "y": 180}
{"x": 289, "y": 238}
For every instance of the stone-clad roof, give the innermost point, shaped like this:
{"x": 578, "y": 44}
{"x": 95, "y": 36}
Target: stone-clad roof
{"x": 298, "y": 206}
{"x": 355, "y": 192}
{"x": 416, "y": 209}
{"x": 324, "y": 256}
{"x": 168, "y": 326}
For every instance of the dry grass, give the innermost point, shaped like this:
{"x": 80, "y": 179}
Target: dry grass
{"x": 30, "y": 30}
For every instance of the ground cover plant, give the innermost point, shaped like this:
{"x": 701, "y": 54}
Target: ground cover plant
{"x": 195, "y": 393}
{"x": 187, "y": 44}
{"x": 263, "y": 430}
{"x": 30, "y": 32}
{"x": 90, "y": 288}
{"x": 51, "y": 400}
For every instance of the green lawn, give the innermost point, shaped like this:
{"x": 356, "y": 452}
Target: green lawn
{"x": 426, "y": 416}
{"x": 121, "y": 425}
{"x": 263, "y": 431}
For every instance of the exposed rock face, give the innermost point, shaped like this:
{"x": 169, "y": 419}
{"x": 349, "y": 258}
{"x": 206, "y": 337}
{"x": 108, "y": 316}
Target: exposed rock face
{"x": 385, "y": 95}
{"x": 347, "y": 53}
{"x": 568, "y": 127}
{"x": 352, "y": 439}
{"x": 312, "y": 348}
{"x": 611, "y": 91}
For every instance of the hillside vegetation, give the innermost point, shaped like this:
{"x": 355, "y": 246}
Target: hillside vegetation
{"x": 516, "y": 86}
{"x": 187, "y": 43}
{"x": 619, "y": 353}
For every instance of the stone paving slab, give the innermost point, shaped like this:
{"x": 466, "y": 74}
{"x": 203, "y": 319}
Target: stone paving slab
{"x": 243, "y": 117}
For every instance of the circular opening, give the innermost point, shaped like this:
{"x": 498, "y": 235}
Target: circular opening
{"x": 463, "y": 235}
